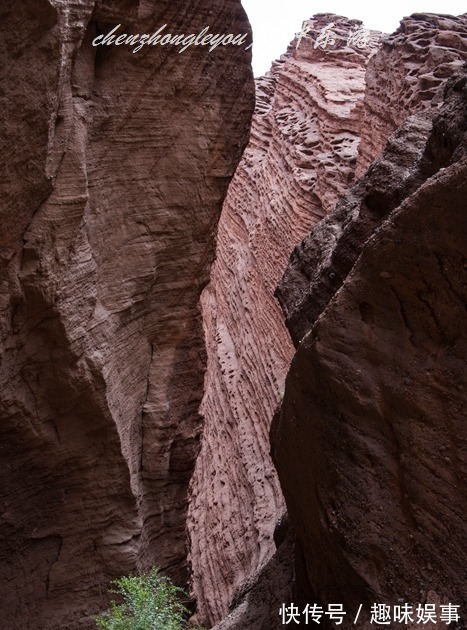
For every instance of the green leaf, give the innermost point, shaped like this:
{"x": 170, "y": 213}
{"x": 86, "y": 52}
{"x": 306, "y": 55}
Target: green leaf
{"x": 150, "y": 602}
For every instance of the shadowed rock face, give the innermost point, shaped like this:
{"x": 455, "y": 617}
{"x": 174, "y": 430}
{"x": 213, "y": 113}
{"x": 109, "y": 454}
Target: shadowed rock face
{"x": 117, "y": 165}
{"x": 300, "y": 160}
{"x": 368, "y": 442}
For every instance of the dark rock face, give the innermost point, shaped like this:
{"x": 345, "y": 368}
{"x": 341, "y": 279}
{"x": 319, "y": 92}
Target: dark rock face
{"x": 117, "y": 165}
{"x": 368, "y": 440}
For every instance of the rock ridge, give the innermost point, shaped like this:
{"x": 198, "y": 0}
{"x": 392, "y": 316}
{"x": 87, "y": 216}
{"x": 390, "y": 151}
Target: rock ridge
{"x": 326, "y": 265}
{"x": 429, "y": 48}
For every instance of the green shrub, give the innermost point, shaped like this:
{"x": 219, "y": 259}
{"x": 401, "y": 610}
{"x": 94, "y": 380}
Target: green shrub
{"x": 150, "y": 602}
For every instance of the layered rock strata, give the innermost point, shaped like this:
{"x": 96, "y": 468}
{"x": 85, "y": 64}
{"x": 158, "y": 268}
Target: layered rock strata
{"x": 369, "y": 439}
{"x": 384, "y": 108}
{"x": 405, "y": 75}
{"x": 300, "y": 160}
{"x": 116, "y": 165}
{"x": 386, "y": 102}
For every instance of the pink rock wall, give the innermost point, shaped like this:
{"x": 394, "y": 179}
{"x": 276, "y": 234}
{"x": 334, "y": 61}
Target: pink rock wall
{"x": 115, "y": 172}
{"x": 300, "y": 160}
{"x": 317, "y": 268}
{"x": 429, "y": 49}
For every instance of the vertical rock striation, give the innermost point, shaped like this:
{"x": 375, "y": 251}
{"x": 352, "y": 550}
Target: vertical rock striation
{"x": 117, "y": 165}
{"x": 300, "y": 160}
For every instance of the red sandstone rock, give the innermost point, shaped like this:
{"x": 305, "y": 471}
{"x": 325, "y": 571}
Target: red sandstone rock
{"x": 405, "y": 75}
{"x": 318, "y": 266}
{"x": 300, "y": 160}
{"x": 114, "y": 169}
{"x": 257, "y": 602}
{"x": 369, "y": 440}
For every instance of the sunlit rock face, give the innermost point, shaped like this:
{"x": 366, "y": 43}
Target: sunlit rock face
{"x": 300, "y": 160}
{"x": 405, "y": 75}
{"x": 367, "y": 441}
{"x": 114, "y": 172}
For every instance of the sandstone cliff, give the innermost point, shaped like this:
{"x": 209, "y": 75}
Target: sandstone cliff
{"x": 300, "y": 160}
{"x": 424, "y": 44}
{"x": 405, "y": 75}
{"x": 369, "y": 439}
{"x": 114, "y": 169}
{"x": 387, "y": 103}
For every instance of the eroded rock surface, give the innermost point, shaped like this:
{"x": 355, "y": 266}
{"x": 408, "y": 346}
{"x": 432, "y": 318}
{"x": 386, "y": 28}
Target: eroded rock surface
{"x": 300, "y": 160}
{"x": 369, "y": 442}
{"x": 116, "y": 165}
{"x": 257, "y": 602}
{"x": 405, "y": 75}
{"x": 317, "y": 269}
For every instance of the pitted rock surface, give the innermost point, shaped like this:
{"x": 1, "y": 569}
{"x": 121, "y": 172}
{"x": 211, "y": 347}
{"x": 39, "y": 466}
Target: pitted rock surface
{"x": 300, "y": 160}
{"x": 369, "y": 441}
{"x": 321, "y": 263}
{"x": 405, "y": 75}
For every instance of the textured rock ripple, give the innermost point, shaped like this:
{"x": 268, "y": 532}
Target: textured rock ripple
{"x": 116, "y": 168}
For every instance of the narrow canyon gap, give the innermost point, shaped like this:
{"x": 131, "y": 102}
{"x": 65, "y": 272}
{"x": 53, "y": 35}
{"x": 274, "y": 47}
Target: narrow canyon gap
{"x": 115, "y": 166}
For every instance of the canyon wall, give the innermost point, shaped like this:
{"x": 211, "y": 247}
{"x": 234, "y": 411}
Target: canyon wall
{"x": 402, "y": 50}
{"x": 368, "y": 439}
{"x": 114, "y": 172}
{"x": 397, "y": 84}
{"x": 405, "y": 75}
{"x": 300, "y": 160}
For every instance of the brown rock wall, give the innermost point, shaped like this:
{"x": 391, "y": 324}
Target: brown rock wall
{"x": 300, "y": 160}
{"x": 369, "y": 440}
{"x": 117, "y": 167}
